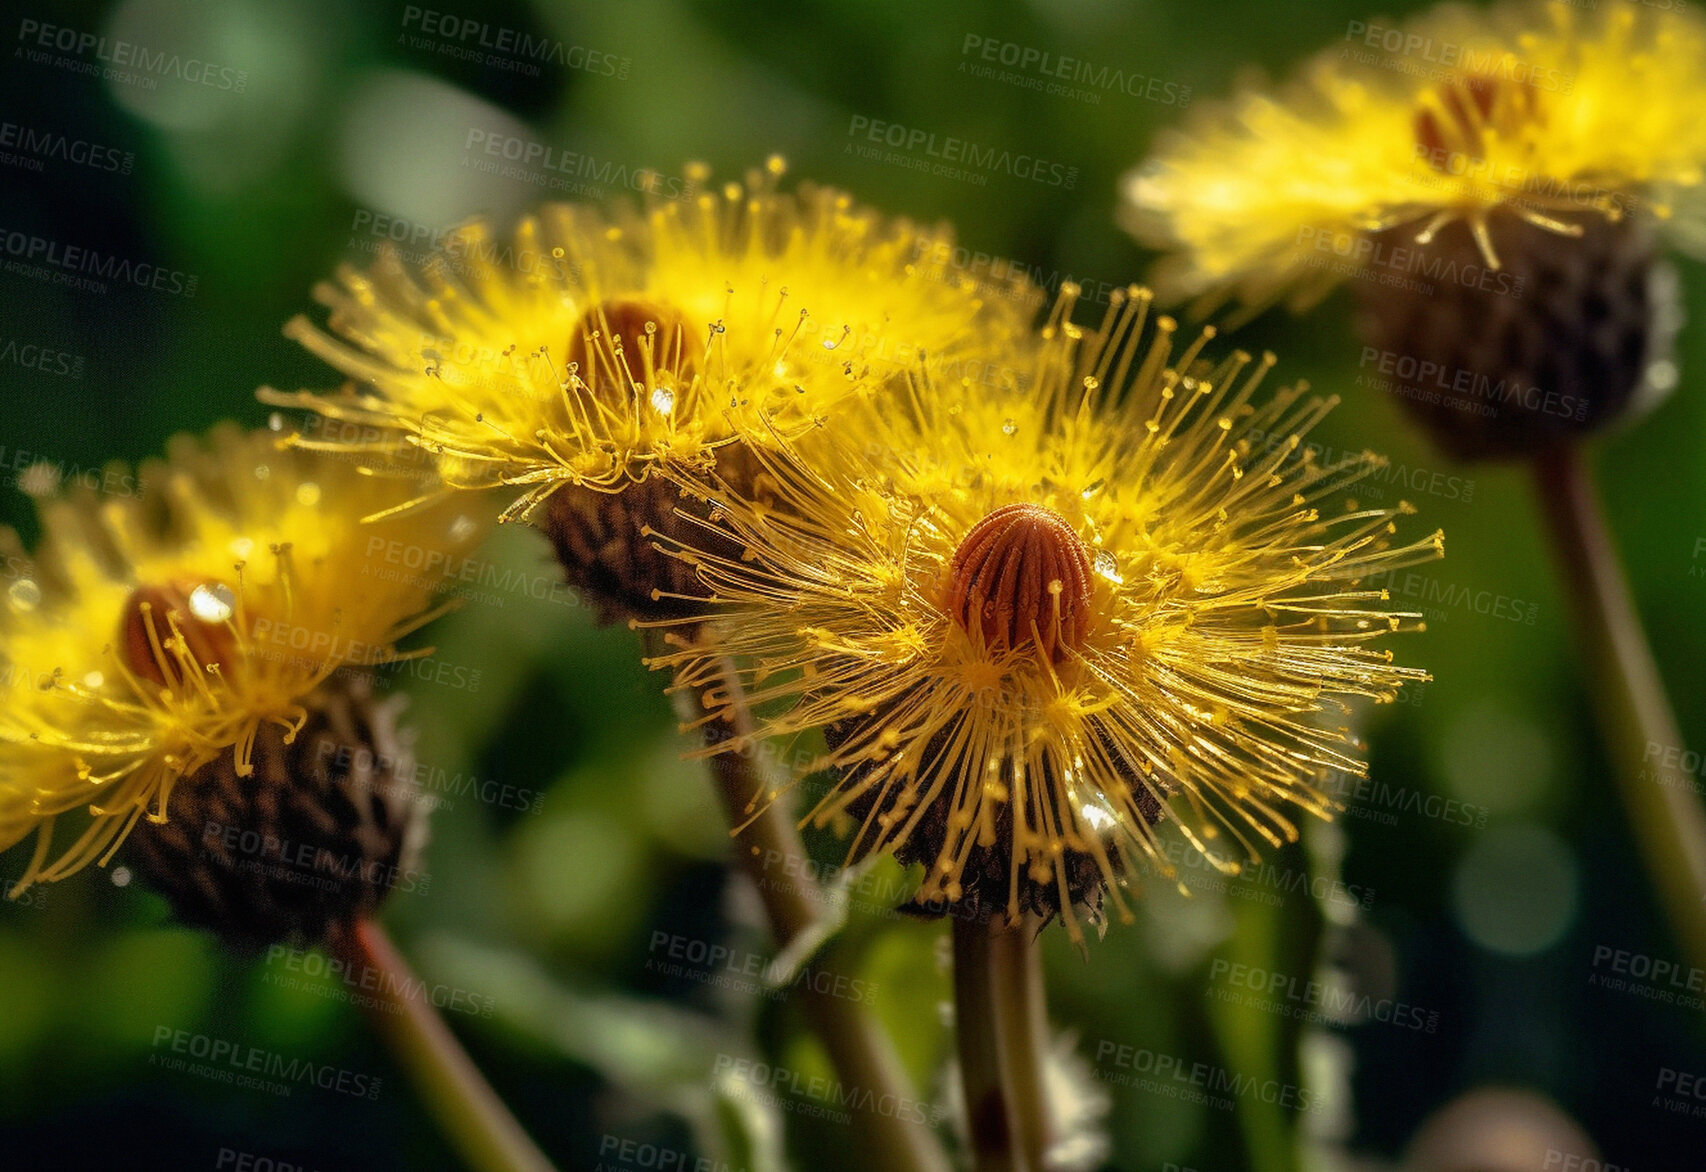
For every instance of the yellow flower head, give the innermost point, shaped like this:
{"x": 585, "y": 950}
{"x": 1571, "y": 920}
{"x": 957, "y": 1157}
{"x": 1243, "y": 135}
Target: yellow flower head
{"x": 596, "y": 344}
{"x": 1554, "y": 113}
{"x": 1028, "y": 623}
{"x": 154, "y": 632}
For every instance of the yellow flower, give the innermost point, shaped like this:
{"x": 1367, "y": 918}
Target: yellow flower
{"x": 156, "y": 632}
{"x": 1556, "y": 114}
{"x": 1027, "y": 623}
{"x": 599, "y": 343}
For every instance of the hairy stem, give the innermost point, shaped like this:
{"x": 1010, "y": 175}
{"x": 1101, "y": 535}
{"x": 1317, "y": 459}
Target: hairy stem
{"x": 1634, "y": 712}
{"x": 1022, "y": 1005}
{"x": 464, "y": 1103}
{"x": 770, "y": 852}
{"x": 991, "y": 1124}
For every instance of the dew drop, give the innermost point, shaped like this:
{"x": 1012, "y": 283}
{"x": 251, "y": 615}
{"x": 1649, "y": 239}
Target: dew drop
{"x": 1009, "y": 427}
{"x": 462, "y": 528}
{"x": 308, "y": 494}
{"x": 25, "y": 594}
{"x": 275, "y": 422}
{"x": 1091, "y": 489}
{"x": 213, "y": 603}
{"x": 94, "y": 680}
{"x": 1107, "y": 566}
{"x": 121, "y": 876}
{"x": 663, "y": 400}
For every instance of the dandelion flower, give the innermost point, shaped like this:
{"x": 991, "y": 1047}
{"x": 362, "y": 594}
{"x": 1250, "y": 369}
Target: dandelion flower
{"x": 163, "y": 649}
{"x": 1035, "y": 625}
{"x": 599, "y": 344}
{"x": 1497, "y": 184}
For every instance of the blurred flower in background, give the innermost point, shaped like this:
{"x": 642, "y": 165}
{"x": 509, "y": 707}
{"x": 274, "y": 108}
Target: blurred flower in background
{"x": 179, "y": 178}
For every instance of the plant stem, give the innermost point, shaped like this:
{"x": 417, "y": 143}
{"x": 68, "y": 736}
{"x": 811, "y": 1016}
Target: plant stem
{"x": 469, "y": 1111}
{"x": 769, "y": 850}
{"x": 990, "y": 1117}
{"x": 1634, "y": 712}
{"x": 1022, "y": 1004}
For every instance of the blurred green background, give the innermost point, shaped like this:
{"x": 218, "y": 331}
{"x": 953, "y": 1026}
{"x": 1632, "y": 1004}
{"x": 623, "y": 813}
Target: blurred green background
{"x": 546, "y": 909}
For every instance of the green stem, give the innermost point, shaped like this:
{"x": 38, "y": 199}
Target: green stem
{"x": 991, "y": 1123}
{"x": 769, "y": 850}
{"x": 1022, "y": 1005}
{"x": 469, "y": 1111}
{"x": 1634, "y": 712}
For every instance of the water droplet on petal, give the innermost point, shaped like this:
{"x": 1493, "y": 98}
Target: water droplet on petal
{"x": 462, "y": 528}
{"x": 213, "y": 603}
{"x": 663, "y": 400}
{"x": 1009, "y": 427}
{"x": 1091, "y": 489}
{"x": 1107, "y": 566}
{"x": 308, "y": 494}
{"x": 25, "y": 594}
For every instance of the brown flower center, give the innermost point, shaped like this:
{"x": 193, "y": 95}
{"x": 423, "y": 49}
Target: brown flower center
{"x": 166, "y": 629}
{"x": 1022, "y": 578}
{"x": 1453, "y": 128}
{"x": 616, "y": 343}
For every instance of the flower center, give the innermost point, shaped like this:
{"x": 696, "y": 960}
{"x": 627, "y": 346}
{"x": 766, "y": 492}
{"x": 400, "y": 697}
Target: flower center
{"x": 627, "y": 340}
{"x": 1021, "y": 577}
{"x": 1457, "y": 119}
{"x": 168, "y": 631}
